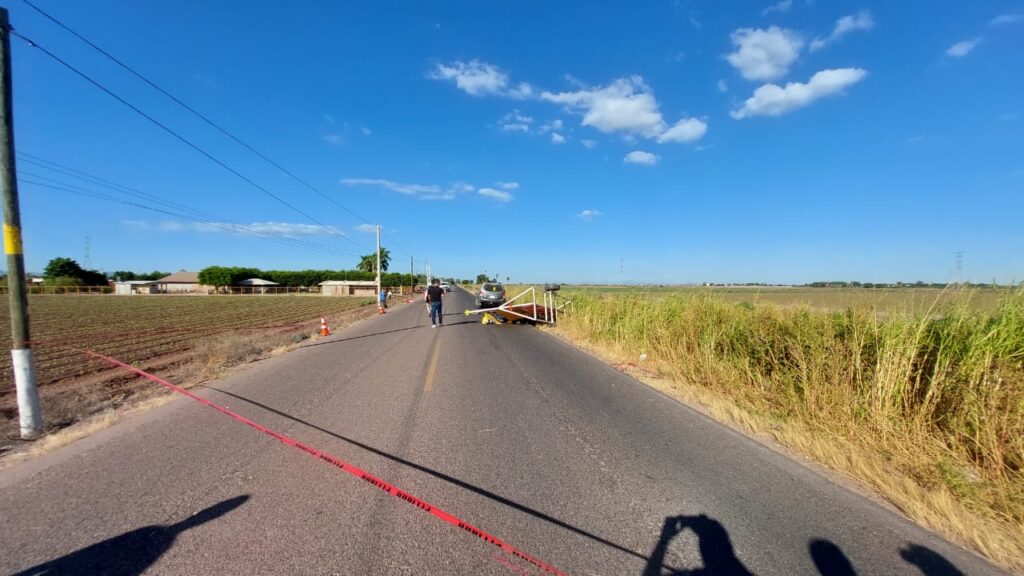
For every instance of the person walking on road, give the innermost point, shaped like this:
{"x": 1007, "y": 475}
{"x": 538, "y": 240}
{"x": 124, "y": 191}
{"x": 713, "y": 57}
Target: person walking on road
{"x": 383, "y": 298}
{"x": 434, "y": 296}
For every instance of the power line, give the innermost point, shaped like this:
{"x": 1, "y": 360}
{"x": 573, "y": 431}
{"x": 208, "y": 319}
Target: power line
{"x": 170, "y": 208}
{"x": 195, "y": 112}
{"x": 180, "y": 137}
{"x": 295, "y": 243}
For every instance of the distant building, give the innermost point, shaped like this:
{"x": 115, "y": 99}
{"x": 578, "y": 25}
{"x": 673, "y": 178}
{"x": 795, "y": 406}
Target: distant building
{"x": 179, "y": 283}
{"x": 130, "y": 287}
{"x": 349, "y": 288}
{"x": 259, "y": 285}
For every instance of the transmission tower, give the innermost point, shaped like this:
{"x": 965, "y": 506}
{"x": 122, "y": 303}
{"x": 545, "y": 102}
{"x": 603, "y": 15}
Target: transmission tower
{"x": 87, "y": 261}
{"x": 959, "y": 267}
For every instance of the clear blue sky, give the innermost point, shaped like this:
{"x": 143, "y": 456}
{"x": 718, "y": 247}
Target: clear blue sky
{"x": 774, "y": 141}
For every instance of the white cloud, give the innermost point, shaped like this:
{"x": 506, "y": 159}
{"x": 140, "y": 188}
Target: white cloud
{"x": 781, "y": 7}
{"x": 845, "y": 25}
{"x": 366, "y": 228}
{"x": 557, "y": 138}
{"x": 290, "y": 229}
{"x": 409, "y": 189}
{"x": 963, "y": 48}
{"x": 1004, "y": 19}
{"x": 522, "y": 91}
{"x": 515, "y": 121}
{"x": 507, "y": 185}
{"x": 478, "y": 78}
{"x": 280, "y": 228}
{"x": 588, "y": 143}
{"x": 722, "y": 86}
{"x": 642, "y": 158}
{"x": 517, "y": 116}
{"x": 775, "y": 100}
{"x": 555, "y": 124}
{"x": 335, "y": 139}
{"x": 499, "y": 195}
{"x": 475, "y": 78}
{"x": 625, "y": 105}
{"x": 764, "y": 54}
{"x": 589, "y": 214}
{"x": 686, "y": 130}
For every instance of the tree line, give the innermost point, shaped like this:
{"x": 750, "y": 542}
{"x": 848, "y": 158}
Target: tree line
{"x": 68, "y": 272}
{"x": 231, "y": 275}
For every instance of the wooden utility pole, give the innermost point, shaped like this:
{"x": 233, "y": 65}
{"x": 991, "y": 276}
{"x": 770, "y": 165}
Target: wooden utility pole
{"x": 378, "y": 260}
{"x": 29, "y": 413}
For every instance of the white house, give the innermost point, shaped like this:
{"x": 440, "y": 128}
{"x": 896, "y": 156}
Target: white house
{"x": 179, "y": 283}
{"x": 349, "y": 288}
{"x": 129, "y": 287}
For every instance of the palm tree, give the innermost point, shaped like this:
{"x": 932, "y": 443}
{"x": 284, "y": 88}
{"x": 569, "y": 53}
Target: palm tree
{"x": 368, "y": 263}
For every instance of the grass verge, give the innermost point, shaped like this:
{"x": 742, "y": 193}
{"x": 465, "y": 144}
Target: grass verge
{"x": 925, "y": 407}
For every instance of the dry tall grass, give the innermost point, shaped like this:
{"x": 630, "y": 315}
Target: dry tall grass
{"x": 928, "y": 408}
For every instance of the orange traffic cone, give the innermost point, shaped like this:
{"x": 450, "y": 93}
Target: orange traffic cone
{"x": 380, "y": 308}
{"x": 324, "y": 330}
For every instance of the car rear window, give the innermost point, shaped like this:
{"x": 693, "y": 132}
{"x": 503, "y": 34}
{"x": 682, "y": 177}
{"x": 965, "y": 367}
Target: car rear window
{"x": 493, "y": 287}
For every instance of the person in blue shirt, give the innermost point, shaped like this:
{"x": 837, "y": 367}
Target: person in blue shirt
{"x": 383, "y": 298}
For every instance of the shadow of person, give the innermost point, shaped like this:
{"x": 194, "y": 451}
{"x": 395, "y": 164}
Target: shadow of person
{"x": 132, "y": 552}
{"x": 928, "y": 561}
{"x": 829, "y": 559}
{"x": 713, "y": 541}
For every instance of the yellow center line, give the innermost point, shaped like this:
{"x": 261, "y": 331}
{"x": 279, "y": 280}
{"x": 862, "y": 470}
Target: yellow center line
{"x": 429, "y": 384}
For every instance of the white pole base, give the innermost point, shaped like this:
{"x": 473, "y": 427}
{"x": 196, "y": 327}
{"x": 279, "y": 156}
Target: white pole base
{"x": 29, "y": 412}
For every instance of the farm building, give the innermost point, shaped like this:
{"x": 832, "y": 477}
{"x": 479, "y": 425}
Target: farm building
{"x": 178, "y": 283}
{"x": 349, "y": 288}
{"x": 130, "y": 287}
{"x": 259, "y": 285}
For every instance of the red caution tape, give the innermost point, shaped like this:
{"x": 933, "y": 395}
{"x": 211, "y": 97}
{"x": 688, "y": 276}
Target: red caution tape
{"x": 345, "y": 466}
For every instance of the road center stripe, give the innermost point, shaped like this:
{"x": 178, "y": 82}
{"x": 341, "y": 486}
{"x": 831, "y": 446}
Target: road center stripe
{"x": 429, "y": 384}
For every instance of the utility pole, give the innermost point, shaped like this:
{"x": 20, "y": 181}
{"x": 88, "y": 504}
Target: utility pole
{"x": 378, "y": 259}
{"x": 412, "y": 276}
{"x": 29, "y": 413}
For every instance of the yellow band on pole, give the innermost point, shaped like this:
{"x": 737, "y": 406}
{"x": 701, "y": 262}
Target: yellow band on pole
{"x": 12, "y": 239}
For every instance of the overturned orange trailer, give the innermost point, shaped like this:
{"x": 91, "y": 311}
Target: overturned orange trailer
{"x": 524, "y": 308}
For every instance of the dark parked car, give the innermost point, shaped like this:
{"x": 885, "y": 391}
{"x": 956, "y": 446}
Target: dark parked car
{"x": 491, "y": 294}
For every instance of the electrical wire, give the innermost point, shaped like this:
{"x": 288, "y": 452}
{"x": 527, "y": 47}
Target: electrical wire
{"x": 100, "y": 196}
{"x": 178, "y": 211}
{"x": 195, "y": 112}
{"x": 193, "y": 212}
{"x": 179, "y": 136}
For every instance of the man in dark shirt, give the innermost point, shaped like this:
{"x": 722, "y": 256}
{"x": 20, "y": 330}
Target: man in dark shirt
{"x": 434, "y": 296}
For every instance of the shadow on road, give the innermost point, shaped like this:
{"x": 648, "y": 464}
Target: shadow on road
{"x": 829, "y": 559}
{"x": 132, "y": 552}
{"x": 716, "y": 549}
{"x": 928, "y": 561}
{"x": 450, "y": 479}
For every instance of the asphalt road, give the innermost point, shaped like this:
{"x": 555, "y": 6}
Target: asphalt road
{"x": 503, "y": 426}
